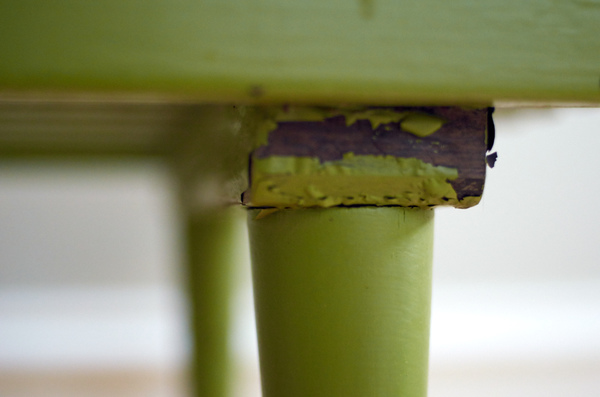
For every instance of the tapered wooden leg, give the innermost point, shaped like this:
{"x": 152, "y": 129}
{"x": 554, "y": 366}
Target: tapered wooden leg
{"x": 342, "y": 300}
{"x": 209, "y": 247}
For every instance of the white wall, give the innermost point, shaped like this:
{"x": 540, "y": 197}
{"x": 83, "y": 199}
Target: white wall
{"x": 516, "y": 308}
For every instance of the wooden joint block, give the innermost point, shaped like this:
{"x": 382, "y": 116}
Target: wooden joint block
{"x": 380, "y": 156}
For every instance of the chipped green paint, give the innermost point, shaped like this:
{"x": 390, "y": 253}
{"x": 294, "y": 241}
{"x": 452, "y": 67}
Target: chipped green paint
{"x": 421, "y": 124}
{"x": 266, "y": 119}
{"x": 376, "y": 116}
{"x": 263, "y": 120}
{"x": 417, "y": 123}
{"x": 270, "y": 116}
{"x": 468, "y": 202}
{"x": 286, "y": 181}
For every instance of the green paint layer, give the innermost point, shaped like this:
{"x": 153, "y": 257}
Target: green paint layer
{"x": 285, "y": 181}
{"x": 343, "y": 300}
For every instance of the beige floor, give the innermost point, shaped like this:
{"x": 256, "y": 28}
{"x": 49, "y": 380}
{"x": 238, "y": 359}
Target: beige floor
{"x": 123, "y": 383}
{"x": 532, "y": 379}
{"x": 114, "y": 383}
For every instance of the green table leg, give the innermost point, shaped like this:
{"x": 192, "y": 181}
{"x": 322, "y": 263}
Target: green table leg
{"x": 209, "y": 247}
{"x": 343, "y": 300}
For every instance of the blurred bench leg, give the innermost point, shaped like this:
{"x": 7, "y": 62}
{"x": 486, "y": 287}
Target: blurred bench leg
{"x": 209, "y": 265}
{"x": 201, "y": 156}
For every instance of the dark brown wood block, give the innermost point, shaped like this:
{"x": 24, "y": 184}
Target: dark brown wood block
{"x": 460, "y": 144}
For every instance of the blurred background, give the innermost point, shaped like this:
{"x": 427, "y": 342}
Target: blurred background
{"x": 90, "y": 277}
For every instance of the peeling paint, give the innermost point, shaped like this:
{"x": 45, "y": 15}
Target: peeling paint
{"x": 293, "y": 181}
{"x": 421, "y": 124}
{"x": 285, "y": 181}
{"x": 377, "y": 116}
{"x": 268, "y": 119}
{"x": 416, "y": 123}
{"x": 468, "y": 202}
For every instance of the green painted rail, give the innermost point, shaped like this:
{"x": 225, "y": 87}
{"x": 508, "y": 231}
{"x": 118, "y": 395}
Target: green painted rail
{"x": 317, "y": 51}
